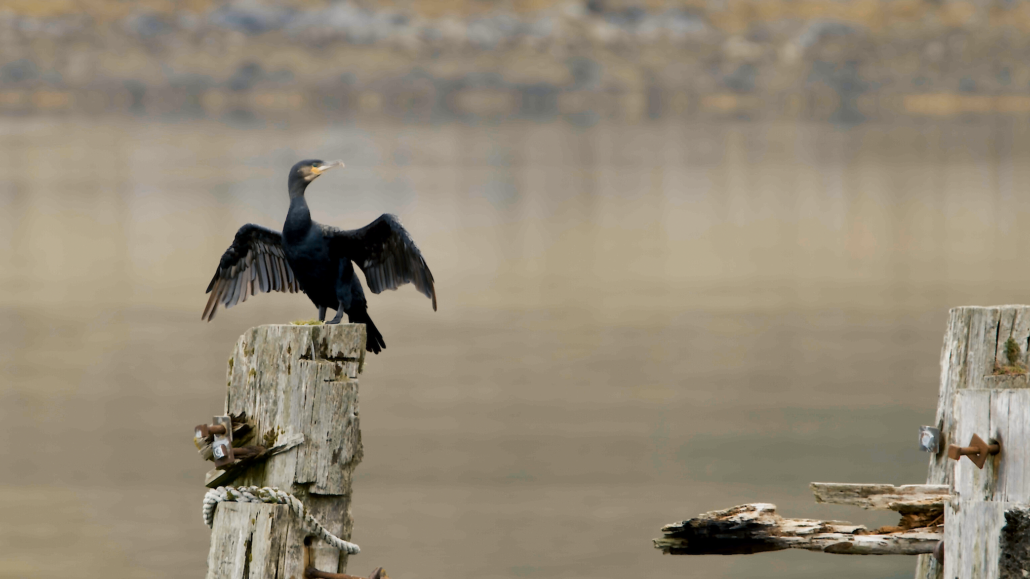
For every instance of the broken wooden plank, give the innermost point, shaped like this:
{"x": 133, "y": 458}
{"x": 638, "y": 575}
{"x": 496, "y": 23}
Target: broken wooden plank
{"x": 756, "y": 528}
{"x": 883, "y": 497}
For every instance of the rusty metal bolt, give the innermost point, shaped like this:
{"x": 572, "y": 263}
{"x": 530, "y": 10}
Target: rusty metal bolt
{"x": 223, "y": 455}
{"x": 241, "y": 452}
{"x": 976, "y": 452}
{"x": 207, "y": 431}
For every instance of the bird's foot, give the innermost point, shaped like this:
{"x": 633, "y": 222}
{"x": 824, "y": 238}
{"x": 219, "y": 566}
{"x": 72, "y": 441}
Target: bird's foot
{"x": 338, "y": 317}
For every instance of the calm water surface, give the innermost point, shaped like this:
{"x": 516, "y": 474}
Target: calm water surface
{"x": 637, "y": 323}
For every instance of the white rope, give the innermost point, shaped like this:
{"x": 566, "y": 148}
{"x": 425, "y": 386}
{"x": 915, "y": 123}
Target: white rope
{"x": 272, "y": 495}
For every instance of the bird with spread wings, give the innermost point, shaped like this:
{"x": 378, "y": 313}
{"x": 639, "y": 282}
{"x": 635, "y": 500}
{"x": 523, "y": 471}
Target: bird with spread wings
{"x": 319, "y": 261}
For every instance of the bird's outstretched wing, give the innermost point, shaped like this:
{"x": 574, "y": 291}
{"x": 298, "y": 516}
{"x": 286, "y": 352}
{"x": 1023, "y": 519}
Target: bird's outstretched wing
{"x": 386, "y": 253}
{"x": 253, "y": 263}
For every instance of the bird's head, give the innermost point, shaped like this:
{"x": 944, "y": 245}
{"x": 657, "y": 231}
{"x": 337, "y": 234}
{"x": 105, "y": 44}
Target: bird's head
{"x": 307, "y": 171}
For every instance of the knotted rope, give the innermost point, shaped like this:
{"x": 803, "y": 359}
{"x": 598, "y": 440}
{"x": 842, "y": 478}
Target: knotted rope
{"x": 274, "y": 496}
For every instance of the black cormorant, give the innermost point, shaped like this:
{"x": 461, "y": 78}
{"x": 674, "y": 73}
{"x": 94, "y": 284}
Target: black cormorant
{"x": 316, "y": 259}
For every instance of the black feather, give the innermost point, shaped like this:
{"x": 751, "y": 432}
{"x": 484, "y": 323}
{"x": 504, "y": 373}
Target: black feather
{"x": 255, "y": 255}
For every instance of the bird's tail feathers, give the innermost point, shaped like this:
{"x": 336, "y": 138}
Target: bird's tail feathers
{"x": 374, "y": 342}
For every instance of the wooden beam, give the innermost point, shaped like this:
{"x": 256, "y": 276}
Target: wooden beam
{"x": 250, "y": 540}
{"x": 881, "y": 497}
{"x": 987, "y": 520}
{"x": 298, "y": 386}
{"x": 756, "y": 528}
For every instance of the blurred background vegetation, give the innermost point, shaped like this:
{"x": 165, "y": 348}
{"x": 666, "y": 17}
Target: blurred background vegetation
{"x": 489, "y": 59}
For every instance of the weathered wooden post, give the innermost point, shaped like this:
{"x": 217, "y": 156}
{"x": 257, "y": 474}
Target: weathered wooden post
{"x": 984, "y": 391}
{"x": 297, "y": 386}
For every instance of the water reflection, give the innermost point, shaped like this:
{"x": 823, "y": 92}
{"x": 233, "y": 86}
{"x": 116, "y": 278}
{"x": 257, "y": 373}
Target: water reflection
{"x": 637, "y": 323}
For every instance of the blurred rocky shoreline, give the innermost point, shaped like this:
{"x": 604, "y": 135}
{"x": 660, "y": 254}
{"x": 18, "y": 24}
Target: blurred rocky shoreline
{"x": 428, "y": 60}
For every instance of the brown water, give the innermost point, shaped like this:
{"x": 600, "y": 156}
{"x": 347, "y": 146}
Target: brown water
{"x": 637, "y": 324}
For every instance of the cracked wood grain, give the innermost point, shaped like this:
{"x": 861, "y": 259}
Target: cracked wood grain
{"x": 295, "y": 383}
{"x": 974, "y": 399}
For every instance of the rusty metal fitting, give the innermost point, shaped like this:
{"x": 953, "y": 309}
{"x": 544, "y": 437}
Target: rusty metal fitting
{"x": 242, "y": 452}
{"x": 977, "y": 451}
{"x": 223, "y": 454}
{"x": 929, "y": 439}
{"x": 938, "y": 552}
{"x": 208, "y": 431}
{"x": 221, "y": 445}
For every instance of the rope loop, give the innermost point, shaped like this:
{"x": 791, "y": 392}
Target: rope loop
{"x": 272, "y": 496}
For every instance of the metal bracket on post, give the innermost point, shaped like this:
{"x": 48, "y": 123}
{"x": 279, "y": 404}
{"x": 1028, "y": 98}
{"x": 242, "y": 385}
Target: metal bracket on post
{"x": 219, "y": 433}
{"x": 976, "y": 452}
{"x": 222, "y": 446}
{"x": 929, "y": 439}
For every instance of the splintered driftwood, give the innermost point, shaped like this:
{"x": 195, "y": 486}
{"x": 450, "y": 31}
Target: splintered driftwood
{"x": 918, "y": 505}
{"x": 297, "y": 387}
{"x": 756, "y": 528}
{"x": 904, "y": 499}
